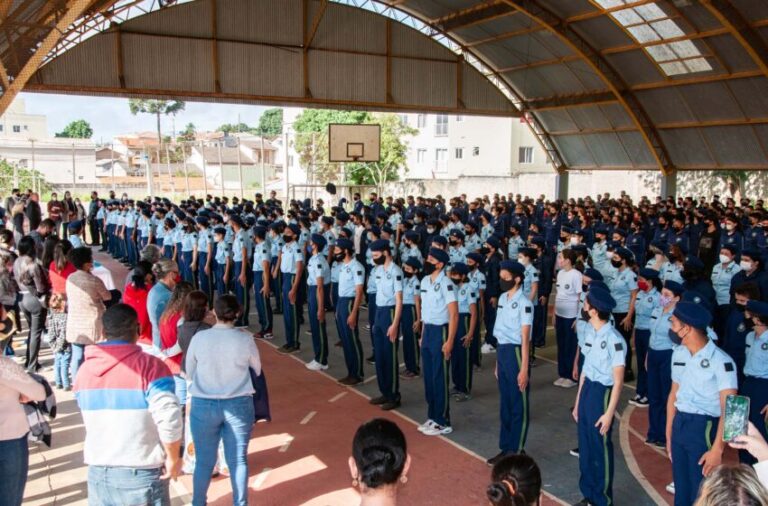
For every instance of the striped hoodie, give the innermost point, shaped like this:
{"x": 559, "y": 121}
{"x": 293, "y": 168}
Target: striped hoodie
{"x": 128, "y": 404}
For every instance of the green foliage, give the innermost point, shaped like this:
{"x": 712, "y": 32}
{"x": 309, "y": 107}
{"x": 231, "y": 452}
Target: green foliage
{"x": 78, "y": 129}
{"x": 188, "y": 134}
{"x": 734, "y": 180}
{"x": 271, "y": 122}
{"x": 312, "y": 146}
{"x": 27, "y": 178}
{"x": 156, "y": 107}
{"x": 228, "y": 128}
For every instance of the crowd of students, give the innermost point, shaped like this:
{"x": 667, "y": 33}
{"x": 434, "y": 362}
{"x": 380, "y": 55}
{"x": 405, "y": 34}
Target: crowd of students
{"x": 671, "y": 293}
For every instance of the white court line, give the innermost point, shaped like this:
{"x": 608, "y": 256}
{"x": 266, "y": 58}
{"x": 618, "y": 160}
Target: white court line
{"x": 308, "y": 418}
{"x": 285, "y": 446}
{"x": 337, "y": 397}
{"x": 629, "y": 457}
{"x": 260, "y": 478}
{"x": 181, "y": 491}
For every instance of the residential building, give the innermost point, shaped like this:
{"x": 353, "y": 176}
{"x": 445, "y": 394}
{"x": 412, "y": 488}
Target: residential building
{"x": 16, "y": 123}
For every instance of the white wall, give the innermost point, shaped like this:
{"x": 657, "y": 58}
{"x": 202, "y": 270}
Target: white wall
{"x": 31, "y": 126}
{"x": 53, "y": 158}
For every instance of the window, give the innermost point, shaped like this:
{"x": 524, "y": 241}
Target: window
{"x": 650, "y": 26}
{"x": 290, "y": 160}
{"x": 421, "y": 121}
{"x": 26, "y": 128}
{"x": 476, "y": 151}
{"x": 459, "y": 153}
{"x": 1, "y": 128}
{"x": 404, "y": 119}
{"x": 16, "y": 129}
{"x": 459, "y": 119}
{"x": 421, "y": 155}
{"x": 441, "y": 124}
{"x": 441, "y": 154}
{"x": 525, "y": 154}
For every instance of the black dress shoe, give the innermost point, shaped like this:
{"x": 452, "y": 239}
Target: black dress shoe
{"x": 389, "y": 405}
{"x": 371, "y": 359}
{"x": 583, "y": 502}
{"x": 493, "y": 460}
{"x": 377, "y": 401}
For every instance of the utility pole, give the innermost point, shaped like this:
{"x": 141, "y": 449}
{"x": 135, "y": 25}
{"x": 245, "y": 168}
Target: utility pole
{"x": 205, "y": 168}
{"x": 221, "y": 167}
{"x": 74, "y": 175}
{"x": 112, "y": 163}
{"x": 263, "y": 176}
{"x": 285, "y": 168}
{"x": 240, "y": 167}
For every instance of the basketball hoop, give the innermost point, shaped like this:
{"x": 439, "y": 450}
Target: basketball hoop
{"x": 354, "y": 143}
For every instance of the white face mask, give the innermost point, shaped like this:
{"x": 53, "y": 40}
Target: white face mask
{"x": 523, "y": 260}
{"x": 730, "y": 226}
{"x": 574, "y": 240}
{"x": 746, "y": 265}
{"x": 430, "y": 230}
{"x": 609, "y": 255}
{"x": 724, "y": 259}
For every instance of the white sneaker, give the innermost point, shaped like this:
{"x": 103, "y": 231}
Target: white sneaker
{"x": 568, "y": 383}
{"x": 438, "y": 430}
{"x": 487, "y": 348}
{"x": 268, "y": 336}
{"x": 313, "y": 366}
{"x": 426, "y": 425}
{"x": 671, "y": 488}
{"x": 558, "y": 382}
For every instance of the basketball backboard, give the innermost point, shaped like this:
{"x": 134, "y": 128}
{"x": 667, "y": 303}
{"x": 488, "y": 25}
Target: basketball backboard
{"x": 354, "y": 143}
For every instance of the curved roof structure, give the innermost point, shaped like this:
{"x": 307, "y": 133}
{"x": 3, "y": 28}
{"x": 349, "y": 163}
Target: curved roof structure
{"x": 605, "y": 84}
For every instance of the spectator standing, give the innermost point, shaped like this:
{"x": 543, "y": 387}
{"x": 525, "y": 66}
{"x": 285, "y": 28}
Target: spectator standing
{"x": 132, "y": 439}
{"x": 33, "y": 211}
{"x": 57, "y": 337}
{"x": 93, "y": 225}
{"x": 169, "y": 324}
{"x": 55, "y": 208}
{"x": 60, "y": 268}
{"x": 140, "y": 282}
{"x": 218, "y": 364}
{"x": 35, "y": 289}
{"x": 17, "y": 218}
{"x": 69, "y": 213}
{"x": 39, "y": 233}
{"x": 15, "y": 387}
{"x": 167, "y": 274}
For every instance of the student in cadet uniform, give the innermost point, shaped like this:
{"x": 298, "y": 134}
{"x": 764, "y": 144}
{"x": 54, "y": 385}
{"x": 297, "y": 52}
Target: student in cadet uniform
{"x": 457, "y": 252}
{"x": 569, "y": 282}
{"x": 351, "y": 285}
{"x": 472, "y": 241}
{"x": 158, "y": 221}
{"x": 223, "y": 259}
{"x": 291, "y": 263}
{"x": 169, "y": 228}
{"x": 755, "y": 385}
{"x": 659, "y": 363}
{"x": 409, "y": 321}
{"x": 702, "y": 377}
{"x": 491, "y": 264}
{"x": 389, "y": 306}
{"x": 722, "y": 274}
{"x": 624, "y": 292}
{"x": 514, "y": 320}
{"x": 735, "y": 336}
{"x": 129, "y": 233}
{"x": 145, "y": 227}
{"x": 203, "y": 256}
{"x": 476, "y": 279}
{"x": 752, "y": 270}
{"x": 461, "y": 357}
{"x": 188, "y": 245}
{"x": 439, "y": 315}
{"x": 649, "y": 288}
{"x": 318, "y": 283}
{"x": 240, "y": 272}
{"x": 262, "y": 259}
{"x": 74, "y": 228}
{"x": 600, "y": 387}
{"x": 515, "y": 242}
{"x": 276, "y": 244}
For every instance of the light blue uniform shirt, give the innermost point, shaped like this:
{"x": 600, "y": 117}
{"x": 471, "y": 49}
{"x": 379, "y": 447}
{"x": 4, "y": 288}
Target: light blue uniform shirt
{"x": 531, "y": 277}
{"x": 513, "y": 248}
{"x": 660, "y": 323}
{"x": 472, "y": 242}
{"x": 335, "y": 271}
{"x": 239, "y": 242}
{"x": 456, "y": 255}
{"x": 701, "y": 380}
{"x": 159, "y": 227}
{"x": 130, "y": 219}
{"x": 223, "y": 252}
{"x": 351, "y": 275}
{"x": 291, "y": 256}
{"x": 603, "y": 351}
{"x": 410, "y": 289}
{"x": 261, "y": 253}
{"x": 477, "y": 280}
{"x": 204, "y": 238}
{"x": 76, "y": 241}
{"x": 388, "y": 283}
{"x": 465, "y": 296}
{"x": 188, "y": 241}
{"x": 512, "y": 314}
{"x": 721, "y": 281}
{"x": 621, "y": 289}
{"x": 101, "y": 213}
{"x": 435, "y": 298}
{"x": 599, "y": 254}
{"x": 756, "y": 364}
{"x": 317, "y": 267}
{"x": 645, "y": 303}
{"x": 670, "y": 271}
{"x": 412, "y": 252}
{"x": 276, "y": 243}
{"x": 486, "y": 232}
{"x": 330, "y": 241}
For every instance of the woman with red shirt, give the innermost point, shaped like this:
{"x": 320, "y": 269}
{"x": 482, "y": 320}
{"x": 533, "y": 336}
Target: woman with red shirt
{"x": 135, "y": 295}
{"x": 169, "y": 322}
{"x": 60, "y": 268}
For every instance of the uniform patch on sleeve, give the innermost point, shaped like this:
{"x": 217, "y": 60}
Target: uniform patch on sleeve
{"x": 359, "y": 273}
{"x": 728, "y": 367}
{"x": 528, "y": 309}
{"x": 450, "y": 288}
{"x": 679, "y": 364}
{"x": 618, "y": 346}
{"x": 399, "y": 278}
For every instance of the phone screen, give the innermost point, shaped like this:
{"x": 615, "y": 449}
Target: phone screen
{"x": 736, "y": 416}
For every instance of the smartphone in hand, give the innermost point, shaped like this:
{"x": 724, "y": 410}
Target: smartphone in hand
{"x": 736, "y": 417}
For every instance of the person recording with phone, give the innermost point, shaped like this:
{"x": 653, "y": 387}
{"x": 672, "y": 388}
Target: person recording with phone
{"x": 703, "y": 376}
{"x": 755, "y": 385}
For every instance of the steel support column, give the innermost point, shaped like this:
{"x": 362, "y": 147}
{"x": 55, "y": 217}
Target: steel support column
{"x": 561, "y": 185}
{"x": 669, "y": 185}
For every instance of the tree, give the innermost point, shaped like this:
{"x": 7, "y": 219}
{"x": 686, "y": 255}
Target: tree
{"x": 271, "y": 122}
{"x": 735, "y": 181}
{"x": 188, "y": 134}
{"x": 394, "y": 154}
{"x": 78, "y": 129}
{"x": 27, "y": 178}
{"x": 228, "y": 128}
{"x": 156, "y": 107}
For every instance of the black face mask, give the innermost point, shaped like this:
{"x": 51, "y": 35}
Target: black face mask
{"x": 339, "y": 257}
{"x": 429, "y": 268}
{"x": 287, "y": 238}
{"x": 741, "y": 308}
{"x": 675, "y": 338}
{"x": 457, "y": 281}
{"x": 484, "y": 251}
{"x": 584, "y": 288}
{"x": 616, "y": 263}
{"x": 380, "y": 261}
{"x": 506, "y": 285}
{"x": 584, "y": 315}
{"x": 687, "y": 275}
{"x": 749, "y": 323}
{"x": 408, "y": 274}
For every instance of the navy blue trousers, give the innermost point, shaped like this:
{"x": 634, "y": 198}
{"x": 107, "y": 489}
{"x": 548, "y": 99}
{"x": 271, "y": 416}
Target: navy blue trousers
{"x": 372, "y": 318}
{"x": 350, "y": 338}
{"x": 242, "y": 294}
{"x": 474, "y": 347}
{"x": 692, "y": 436}
{"x": 489, "y": 319}
{"x": 539, "y": 329}
{"x": 277, "y": 286}
{"x": 263, "y": 307}
{"x": 567, "y": 342}
{"x": 130, "y": 246}
{"x": 514, "y": 409}
{"x": 435, "y": 372}
{"x": 203, "y": 279}
{"x": 290, "y": 313}
{"x": 222, "y": 288}
{"x": 461, "y": 358}
{"x": 757, "y": 391}
{"x": 185, "y": 266}
{"x": 642, "y": 338}
{"x": 595, "y": 450}
{"x": 410, "y": 338}
{"x": 317, "y": 327}
{"x": 385, "y": 353}
{"x": 168, "y": 250}
{"x": 659, "y": 384}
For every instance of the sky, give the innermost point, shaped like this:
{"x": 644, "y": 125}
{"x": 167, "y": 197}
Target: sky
{"x": 110, "y": 116}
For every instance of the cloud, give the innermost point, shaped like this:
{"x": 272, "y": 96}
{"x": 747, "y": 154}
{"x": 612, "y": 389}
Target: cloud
{"x": 110, "y": 116}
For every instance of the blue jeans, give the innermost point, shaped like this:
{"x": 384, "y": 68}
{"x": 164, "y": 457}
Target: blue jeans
{"x": 14, "y": 464}
{"x": 78, "y": 356}
{"x": 61, "y": 367}
{"x": 118, "y": 486}
{"x": 230, "y": 420}
{"x": 181, "y": 389}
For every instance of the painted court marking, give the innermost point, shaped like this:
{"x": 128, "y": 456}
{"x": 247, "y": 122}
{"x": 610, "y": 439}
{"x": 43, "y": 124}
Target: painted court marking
{"x": 337, "y": 397}
{"x": 308, "y": 418}
{"x": 260, "y": 478}
{"x": 629, "y": 457}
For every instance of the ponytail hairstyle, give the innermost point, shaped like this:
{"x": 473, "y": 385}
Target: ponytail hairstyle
{"x": 380, "y": 453}
{"x": 516, "y": 482}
